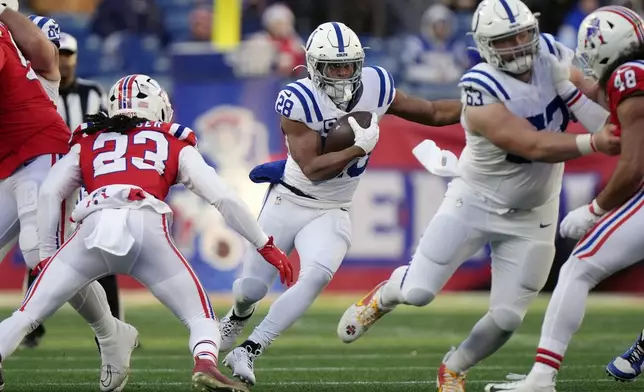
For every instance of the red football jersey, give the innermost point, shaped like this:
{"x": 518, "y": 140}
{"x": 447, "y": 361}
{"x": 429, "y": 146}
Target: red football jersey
{"x": 146, "y": 157}
{"x": 29, "y": 123}
{"x": 627, "y": 79}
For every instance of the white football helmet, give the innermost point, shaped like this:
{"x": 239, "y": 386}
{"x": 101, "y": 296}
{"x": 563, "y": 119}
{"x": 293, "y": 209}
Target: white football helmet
{"x": 605, "y": 34}
{"x": 331, "y": 47}
{"x": 11, "y": 4}
{"x": 139, "y": 95}
{"x": 499, "y": 23}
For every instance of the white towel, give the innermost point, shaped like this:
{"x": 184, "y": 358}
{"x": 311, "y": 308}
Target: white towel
{"x": 111, "y": 233}
{"x": 439, "y": 162}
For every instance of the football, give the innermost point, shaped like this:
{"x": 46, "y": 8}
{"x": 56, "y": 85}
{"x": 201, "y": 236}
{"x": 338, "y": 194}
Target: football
{"x": 341, "y": 135}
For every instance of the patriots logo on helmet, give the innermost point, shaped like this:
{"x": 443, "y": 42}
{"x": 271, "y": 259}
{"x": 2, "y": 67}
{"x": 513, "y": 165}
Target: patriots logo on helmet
{"x": 593, "y": 33}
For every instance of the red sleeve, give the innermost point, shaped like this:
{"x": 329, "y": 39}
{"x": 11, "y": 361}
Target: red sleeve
{"x": 3, "y": 57}
{"x": 78, "y": 134}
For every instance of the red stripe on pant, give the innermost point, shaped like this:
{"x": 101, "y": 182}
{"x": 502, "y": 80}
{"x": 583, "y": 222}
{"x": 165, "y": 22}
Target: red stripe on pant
{"x": 42, "y": 273}
{"x": 202, "y": 293}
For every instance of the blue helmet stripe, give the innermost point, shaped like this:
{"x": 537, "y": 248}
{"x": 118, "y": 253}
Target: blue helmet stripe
{"x": 505, "y": 5}
{"x": 338, "y": 33}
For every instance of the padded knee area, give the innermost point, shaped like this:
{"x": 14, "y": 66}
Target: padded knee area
{"x": 28, "y": 241}
{"x": 249, "y": 290}
{"x": 507, "y": 319}
{"x": 418, "y": 296}
{"x": 316, "y": 276}
{"x": 538, "y": 262}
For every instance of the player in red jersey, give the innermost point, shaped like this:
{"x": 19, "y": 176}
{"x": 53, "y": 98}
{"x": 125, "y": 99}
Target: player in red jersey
{"x": 611, "y": 41}
{"x": 127, "y": 163}
{"x": 34, "y": 136}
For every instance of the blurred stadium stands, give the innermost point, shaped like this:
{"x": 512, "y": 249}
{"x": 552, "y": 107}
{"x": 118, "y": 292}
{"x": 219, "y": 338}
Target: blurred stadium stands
{"x": 382, "y": 24}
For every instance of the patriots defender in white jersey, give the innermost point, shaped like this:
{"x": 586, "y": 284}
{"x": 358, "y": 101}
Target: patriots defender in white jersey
{"x": 307, "y": 205}
{"x": 516, "y": 106}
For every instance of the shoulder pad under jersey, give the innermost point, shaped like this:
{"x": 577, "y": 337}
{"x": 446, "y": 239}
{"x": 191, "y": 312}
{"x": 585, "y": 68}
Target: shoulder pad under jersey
{"x": 383, "y": 82}
{"x": 297, "y": 102}
{"x": 182, "y": 133}
{"x": 481, "y": 85}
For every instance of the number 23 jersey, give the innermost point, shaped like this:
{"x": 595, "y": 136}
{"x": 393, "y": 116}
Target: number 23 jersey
{"x": 301, "y": 101}
{"x": 146, "y": 157}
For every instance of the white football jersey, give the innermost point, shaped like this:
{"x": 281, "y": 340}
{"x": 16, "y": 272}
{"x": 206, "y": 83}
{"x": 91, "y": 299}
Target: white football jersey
{"x": 301, "y": 101}
{"x": 51, "y": 88}
{"x": 506, "y": 179}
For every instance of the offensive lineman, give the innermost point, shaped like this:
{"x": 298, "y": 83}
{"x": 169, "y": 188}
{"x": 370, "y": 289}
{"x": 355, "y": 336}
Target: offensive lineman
{"x": 34, "y": 137}
{"x": 127, "y": 163}
{"x": 611, "y": 41}
{"x": 308, "y": 206}
{"x": 516, "y": 106}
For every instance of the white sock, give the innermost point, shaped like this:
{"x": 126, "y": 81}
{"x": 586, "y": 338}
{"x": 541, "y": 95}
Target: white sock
{"x": 105, "y": 328}
{"x": 391, "y": 294}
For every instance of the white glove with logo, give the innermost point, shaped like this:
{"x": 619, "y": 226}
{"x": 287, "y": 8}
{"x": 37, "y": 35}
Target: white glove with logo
{"x": 580, "y": 220}
{"x": 366, "y": 138}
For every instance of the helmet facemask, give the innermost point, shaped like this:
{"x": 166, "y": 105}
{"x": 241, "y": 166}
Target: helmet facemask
{"x": 339, "y": 79}
{"x": 513, "y": 52}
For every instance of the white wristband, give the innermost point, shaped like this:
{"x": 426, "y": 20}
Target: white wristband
{"x": 596, "y": 209}
{"x": 585, "y": 144}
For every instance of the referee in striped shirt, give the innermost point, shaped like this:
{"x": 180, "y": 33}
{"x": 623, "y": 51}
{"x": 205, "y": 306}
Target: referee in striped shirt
{"x": 77, "y": 99}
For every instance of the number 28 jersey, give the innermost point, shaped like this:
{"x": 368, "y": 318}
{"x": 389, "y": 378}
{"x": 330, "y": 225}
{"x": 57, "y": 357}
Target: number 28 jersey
{"x": 301, "y": 101}
{"x": 146, "y": 157}
{"x": 626, "y": 80}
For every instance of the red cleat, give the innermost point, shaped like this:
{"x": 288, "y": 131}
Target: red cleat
{"x": 207, "y": 378}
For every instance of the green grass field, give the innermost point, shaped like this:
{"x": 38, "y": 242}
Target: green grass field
{"x": 402, "y": 353}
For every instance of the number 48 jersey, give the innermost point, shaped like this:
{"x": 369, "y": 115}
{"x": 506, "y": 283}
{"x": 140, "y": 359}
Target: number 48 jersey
{"x": 146, "y": 157}
{"x": 301, "y": 101}
{"x": 626, "y": 80}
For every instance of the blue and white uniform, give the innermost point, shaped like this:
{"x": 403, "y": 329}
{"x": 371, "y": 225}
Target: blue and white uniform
{"x": 301, "y": 101}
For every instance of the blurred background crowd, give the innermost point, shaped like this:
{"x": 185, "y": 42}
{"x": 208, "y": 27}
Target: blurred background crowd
{"x": 422, "y": 42}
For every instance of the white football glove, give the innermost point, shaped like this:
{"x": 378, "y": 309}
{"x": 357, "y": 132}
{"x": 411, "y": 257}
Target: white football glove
{"x": 366, "y": 138}
{"x": 560, "y": 69}
{"x": 580, "y": 220}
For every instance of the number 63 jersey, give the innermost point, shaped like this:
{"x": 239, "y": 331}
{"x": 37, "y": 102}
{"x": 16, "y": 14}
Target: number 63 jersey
{"x": 301, "y": 101}
{"x": 508, "y": 180}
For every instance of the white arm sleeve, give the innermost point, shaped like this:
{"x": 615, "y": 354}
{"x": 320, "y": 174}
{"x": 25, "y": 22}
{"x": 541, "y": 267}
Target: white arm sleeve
{"x": 63, "y": 180}
{"x": 203, "y": 180}
{"x": 589, "y": 113}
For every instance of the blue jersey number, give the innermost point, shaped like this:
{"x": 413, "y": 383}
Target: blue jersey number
{"x": 540, "y": 122}
{"x": 284, "y": 106}
{"x": 357, "y": 168}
